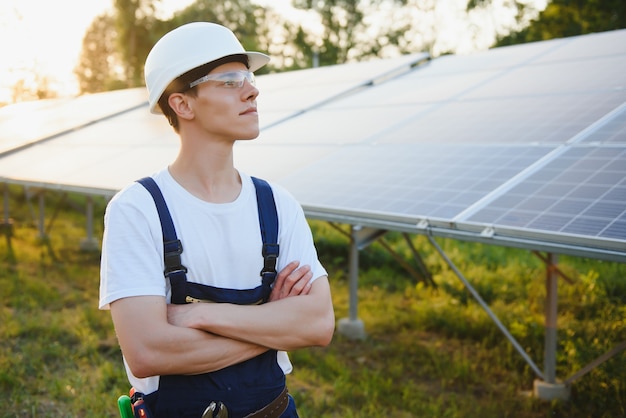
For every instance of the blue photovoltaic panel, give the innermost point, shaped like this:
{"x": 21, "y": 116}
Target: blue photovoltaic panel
{"x": 538, "y": 119}
{"x": 612, "y": 131}
{"x": 287, "y": 94}
{"x": 460, "y": 121}
{"x": 408, "y": 180}
{"x": 582, "y": 192}
{"x": 578, "y": 193}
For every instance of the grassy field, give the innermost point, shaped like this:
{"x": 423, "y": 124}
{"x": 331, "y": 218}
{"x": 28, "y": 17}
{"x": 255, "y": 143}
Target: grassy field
{"x": 429, "y": 352}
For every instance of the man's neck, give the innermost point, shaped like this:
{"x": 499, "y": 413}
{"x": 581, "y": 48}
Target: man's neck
{"x": 206, "y": 170}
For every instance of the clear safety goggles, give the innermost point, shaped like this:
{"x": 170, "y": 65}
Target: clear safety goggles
{"x": 229, "y": 79}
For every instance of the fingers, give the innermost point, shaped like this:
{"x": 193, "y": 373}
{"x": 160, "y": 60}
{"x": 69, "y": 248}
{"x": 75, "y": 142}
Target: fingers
{"x": 293, "y": 280}
{"x": 282, "y": 275}
{"x": 297, "y": 283}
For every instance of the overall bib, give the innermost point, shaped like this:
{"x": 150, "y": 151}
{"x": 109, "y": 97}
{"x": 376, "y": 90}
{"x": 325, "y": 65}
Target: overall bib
{"x": 245, "y": 387}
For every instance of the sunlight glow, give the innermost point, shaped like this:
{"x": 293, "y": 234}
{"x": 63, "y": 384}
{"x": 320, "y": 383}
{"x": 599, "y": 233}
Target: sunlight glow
{"x": 42, "y": 39}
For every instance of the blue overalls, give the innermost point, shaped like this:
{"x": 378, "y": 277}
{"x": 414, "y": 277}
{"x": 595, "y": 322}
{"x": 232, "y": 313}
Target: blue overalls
{"x": 245, "y": 387}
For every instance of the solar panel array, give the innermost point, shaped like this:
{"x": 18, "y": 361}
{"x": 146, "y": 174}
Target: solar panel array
{"x": 521, "y": 146}
{"x": 518, "y": 144}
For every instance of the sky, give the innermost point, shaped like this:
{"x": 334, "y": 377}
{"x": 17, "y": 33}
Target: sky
{"x": 33, "y": 38}
{"x": 45, "y": 36}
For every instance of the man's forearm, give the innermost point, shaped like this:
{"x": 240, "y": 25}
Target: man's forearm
{"x": 287, "y": 324}
{"x": 198, "y": 353}
{"x": 163, "y": 349}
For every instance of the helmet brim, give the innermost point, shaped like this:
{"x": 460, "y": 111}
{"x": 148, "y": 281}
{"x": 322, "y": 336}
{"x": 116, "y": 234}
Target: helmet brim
{"x": 257, "y": 60}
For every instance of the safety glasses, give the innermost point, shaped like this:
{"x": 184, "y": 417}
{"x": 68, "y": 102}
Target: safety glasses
{"x": 229, "y": 79}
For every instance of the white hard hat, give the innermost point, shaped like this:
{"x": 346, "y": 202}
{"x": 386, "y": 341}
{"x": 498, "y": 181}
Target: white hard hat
{"x": 187, "y": 47}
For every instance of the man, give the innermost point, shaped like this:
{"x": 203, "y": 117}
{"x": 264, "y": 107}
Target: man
{"x": 201, "y": 359}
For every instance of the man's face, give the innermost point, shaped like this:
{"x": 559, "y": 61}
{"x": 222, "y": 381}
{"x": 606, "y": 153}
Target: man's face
{"x": 225, "y": 109}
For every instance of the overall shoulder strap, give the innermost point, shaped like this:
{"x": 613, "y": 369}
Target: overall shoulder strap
{"x": 268, "y": 219}
{"x": 172, "y": 247}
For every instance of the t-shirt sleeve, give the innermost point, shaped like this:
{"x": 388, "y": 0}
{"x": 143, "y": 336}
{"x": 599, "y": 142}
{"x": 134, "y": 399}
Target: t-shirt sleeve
{"x": 132, "y": 248}
{"x": 296, "y": 239}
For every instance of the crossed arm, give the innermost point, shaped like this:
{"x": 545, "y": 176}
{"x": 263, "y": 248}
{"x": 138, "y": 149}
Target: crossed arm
{"x": 161, "y": 339}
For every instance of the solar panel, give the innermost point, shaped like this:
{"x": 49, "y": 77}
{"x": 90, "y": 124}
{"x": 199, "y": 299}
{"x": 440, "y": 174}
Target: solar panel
{"x": 582, "y": 192}
{"x": 521, "y": 145}
{"x": 610, "y": 131}
{"x": 28, "y": 122}
{"x": 284, "y": 95}
{"x": 105, "y": 153}
{"x": 408, "y": 180}
{"x": 444, "y": 131}
{"x": 538, "y": 119}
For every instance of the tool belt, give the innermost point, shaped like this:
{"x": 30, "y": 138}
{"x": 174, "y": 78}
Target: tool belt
{"x": 272, "y": 410}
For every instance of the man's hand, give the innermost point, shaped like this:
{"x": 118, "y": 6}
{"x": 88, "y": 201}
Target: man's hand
{"x": 276, "y": 325}
{"x": 293, "y": 280}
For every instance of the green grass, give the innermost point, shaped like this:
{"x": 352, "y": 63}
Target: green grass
{"x": 429, "y": 352}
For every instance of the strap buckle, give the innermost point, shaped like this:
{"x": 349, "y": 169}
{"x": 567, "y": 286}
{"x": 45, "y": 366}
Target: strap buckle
{"x": 270, "y": 255}
{"x": 171, "y": 254}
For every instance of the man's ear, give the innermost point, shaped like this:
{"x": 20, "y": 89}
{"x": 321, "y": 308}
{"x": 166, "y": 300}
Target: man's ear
{"x": 180, "y": 105}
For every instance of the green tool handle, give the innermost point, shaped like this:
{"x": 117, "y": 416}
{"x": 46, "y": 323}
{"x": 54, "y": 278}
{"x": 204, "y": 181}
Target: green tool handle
{"x": 126, "y": 409}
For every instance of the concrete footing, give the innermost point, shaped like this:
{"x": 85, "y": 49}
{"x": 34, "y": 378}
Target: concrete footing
{"x": 6, "y": 227}
{"x": 90, "y": 244}
{"x": 551, "y": 391}
{"x": 351, "y": 328}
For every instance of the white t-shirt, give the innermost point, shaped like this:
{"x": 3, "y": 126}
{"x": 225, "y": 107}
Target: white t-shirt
{"x": 221, "y": 244}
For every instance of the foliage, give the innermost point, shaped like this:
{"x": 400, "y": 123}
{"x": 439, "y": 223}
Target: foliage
{"x": 116, "y": 45}
{"x": 99, "y": 59}
{"x": 564, "y": 18}
{"x": 340, "y": 18}
{"x": 133, "y": 23}
{"x": 429, "y": 351}
{"x": 239, "y": 16}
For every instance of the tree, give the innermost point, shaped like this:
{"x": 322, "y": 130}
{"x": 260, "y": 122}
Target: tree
{"x": 134, "y": 20}
{"x": 116, "y": 45}
{"x": 356, "y": 29}
{"x": 563, "y": 18}
{"x": 100, "y": 64}
{"x": 278, "y": 37}
{"x": 32, "y": 86}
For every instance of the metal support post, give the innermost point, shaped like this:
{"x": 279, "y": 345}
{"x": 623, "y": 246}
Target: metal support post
{"x": 549, "y": 388}
{"x": 6, "y": 203}
{"x": 42, "y": 216}
{"x": 352, "y": 327}
{"x": 89, "y": 243}
{"x": 486, "y": 308}
{"x": 549, "y": 362}
{"x": 354, "y": 276}
{"x": 7, "y": 222}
